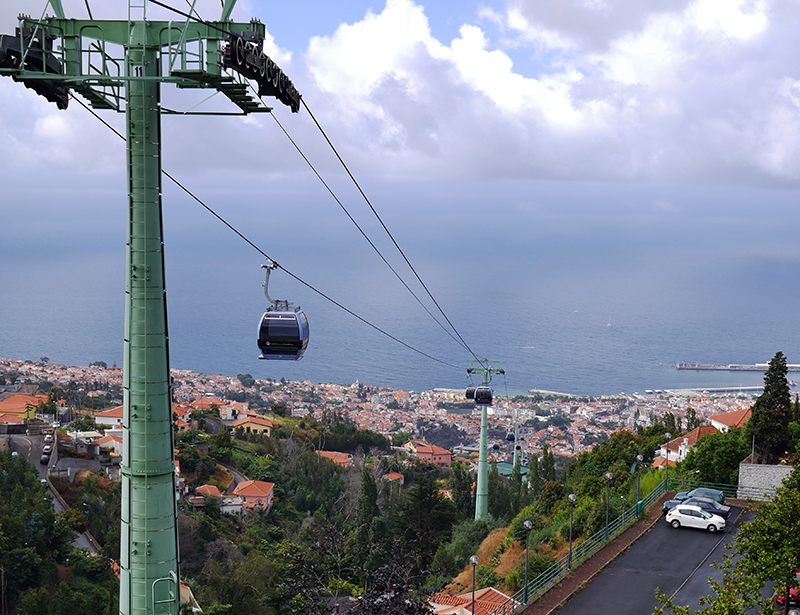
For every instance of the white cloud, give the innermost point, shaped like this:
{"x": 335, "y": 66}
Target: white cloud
{"x": 686, "y": 90}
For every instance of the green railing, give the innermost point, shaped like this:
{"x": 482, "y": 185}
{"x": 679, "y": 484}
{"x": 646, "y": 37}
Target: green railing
{"x": 580, "y": 553}
{"x": 583, "y": 551}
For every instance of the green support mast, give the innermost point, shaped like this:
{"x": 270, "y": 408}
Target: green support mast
{"x": 189, "y": 54}
{"x": 483, "y": 397}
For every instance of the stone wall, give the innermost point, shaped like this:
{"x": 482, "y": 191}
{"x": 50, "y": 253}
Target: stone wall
{"x": 758, "y": 481}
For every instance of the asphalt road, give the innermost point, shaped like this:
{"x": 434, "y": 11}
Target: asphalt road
{"x": 678, "y": 562}
{"x": 31, "y": 448}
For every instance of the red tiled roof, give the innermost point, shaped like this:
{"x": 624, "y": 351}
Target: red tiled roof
{"x": 112, "y": 412}
{"x": 209, "y": 490}
{"x": 254, "y": 488}
{"x": 20, "y": 403}
{"x": 737, "y": 418}
{"x": 341, "y": 459}
{"x": 253, "y": 420}
{"x": 205, "y": 403}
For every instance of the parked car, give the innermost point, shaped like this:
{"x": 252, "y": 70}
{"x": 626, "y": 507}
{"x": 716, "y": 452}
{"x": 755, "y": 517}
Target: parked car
{"x": 702, "y": 492}
{"x": 794, "y": 593}
{"x": 48, "y": 448}
{"x": 48, "y": 438}
{"x": 709, "y": 505}
{"x": 44, "y": 459}
{"x": 669, "y": 505}
{"x": 694, "y": 516}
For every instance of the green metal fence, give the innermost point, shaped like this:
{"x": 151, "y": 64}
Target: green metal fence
{"x": 580, "y": 553}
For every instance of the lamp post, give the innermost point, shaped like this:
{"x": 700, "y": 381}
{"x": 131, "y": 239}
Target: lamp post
{"x": 666, "y": 465}
{"x": 474, "y": 561}
{"x": 572, "y": 498}
{"x": 639, "y": 459}
{"x": 609, "y": 476}
{"x": 528, "y": 525}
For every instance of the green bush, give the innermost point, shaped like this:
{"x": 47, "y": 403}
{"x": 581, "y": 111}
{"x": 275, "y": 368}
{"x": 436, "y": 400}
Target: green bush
{"x": 517, "y": 528}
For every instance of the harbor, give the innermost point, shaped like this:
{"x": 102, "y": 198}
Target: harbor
{"x": 734, "y": 367}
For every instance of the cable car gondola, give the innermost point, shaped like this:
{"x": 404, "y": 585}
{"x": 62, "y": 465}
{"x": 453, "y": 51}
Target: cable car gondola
{"x": 283, "y": 328}
{"x": 483, "y": 395}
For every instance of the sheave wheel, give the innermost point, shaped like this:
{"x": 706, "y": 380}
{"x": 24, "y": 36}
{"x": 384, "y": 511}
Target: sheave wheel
{"x": 712, "y": 528}
{"x": 676, "y": 524}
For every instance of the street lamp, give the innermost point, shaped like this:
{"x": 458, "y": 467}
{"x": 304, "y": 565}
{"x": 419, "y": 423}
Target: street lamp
{"x": 528, "y": 525}
{"x": 666, "y": 465}
{"x": 609, "y": 476}
{"x": 572, "y": 498}
{"x": 639, "y": 459}
{"x": 474, "y": 561}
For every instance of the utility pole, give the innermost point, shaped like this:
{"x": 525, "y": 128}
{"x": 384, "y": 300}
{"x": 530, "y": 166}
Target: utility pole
{"x": 482, "y": 394}
{"x": 190, "y": 54}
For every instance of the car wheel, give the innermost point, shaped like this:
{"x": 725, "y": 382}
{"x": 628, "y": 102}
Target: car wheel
{"x": 676, "y": 524}
{"x": 712, "y": 528}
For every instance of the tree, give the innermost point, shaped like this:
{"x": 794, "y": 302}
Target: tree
{"x": 717, "y": 456}
{"x": 426, "y": 518}
{"x": 770, "y": 543}
{"x": 247, "y": 380}
{"x": 547, "y": 466}
{"x": 462, "y": 490}
{"x": 692, "y": 420}
{"x": 499, "y": 499}
{"x": 84, "y": 423}
{"x": 534, "y": 479}
{"x": 769, "y": 421}
{"x": 366, "y": 508}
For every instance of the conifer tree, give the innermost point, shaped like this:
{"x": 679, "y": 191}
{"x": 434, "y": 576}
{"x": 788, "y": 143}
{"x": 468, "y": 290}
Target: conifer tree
{"x": 462, "y": 491}
{"x": 534, "y": 480}
{"x": 769, "y": 422}
{"x": 366, "y": 507}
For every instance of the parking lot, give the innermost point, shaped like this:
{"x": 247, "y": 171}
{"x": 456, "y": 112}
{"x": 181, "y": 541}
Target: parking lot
{"x": 678, "y": 562}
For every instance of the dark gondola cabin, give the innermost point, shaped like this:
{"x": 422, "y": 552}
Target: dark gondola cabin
{"x": 283, "y": 335}
{"x": 483, "y": 395}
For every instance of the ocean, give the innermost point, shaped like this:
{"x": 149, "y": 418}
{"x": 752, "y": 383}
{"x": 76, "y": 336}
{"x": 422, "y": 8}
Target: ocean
{"x": 578, "y": 303}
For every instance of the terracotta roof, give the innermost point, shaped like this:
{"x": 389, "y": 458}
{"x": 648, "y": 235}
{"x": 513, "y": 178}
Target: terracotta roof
{"x": 9, "y": 419}
{"x": 693, "y": 436}
{"x": 341, "y": 459}
{"x": 205, "y": 403}
{"x": 737, "y": 418}
{"x": 20, "y": 403}
{"x": 253, "y": 420}
{"x": 208, "y": 490}
{"x": 112, "y": 413}
{"x": 486, "y": 601}
{"x": 254, "y": 488}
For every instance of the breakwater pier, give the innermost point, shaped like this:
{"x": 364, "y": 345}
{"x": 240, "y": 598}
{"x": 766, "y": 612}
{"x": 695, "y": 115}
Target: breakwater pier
{"x": 734, "y": 367}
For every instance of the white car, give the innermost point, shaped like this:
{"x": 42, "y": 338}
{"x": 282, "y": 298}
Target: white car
{"x": 694, "y": 516}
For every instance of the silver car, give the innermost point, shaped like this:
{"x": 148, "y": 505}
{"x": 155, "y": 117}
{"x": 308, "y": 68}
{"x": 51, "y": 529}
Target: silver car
{"x": 694, "y": 516}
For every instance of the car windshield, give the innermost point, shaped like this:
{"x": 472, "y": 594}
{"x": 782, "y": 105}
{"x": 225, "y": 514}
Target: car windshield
{"x": 705, "y": 515}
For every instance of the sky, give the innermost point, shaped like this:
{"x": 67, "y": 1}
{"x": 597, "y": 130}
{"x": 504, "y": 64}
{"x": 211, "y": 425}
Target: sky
{"x": 564, "y": 134}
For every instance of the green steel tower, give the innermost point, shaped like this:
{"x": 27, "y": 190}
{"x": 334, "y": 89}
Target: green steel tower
{"x": 483, "y": 397}
{"x": 190, "y": 54}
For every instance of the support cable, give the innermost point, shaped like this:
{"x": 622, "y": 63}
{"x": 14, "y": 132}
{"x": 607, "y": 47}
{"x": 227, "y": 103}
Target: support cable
{"x": 388, "y": 232}
{"x": 363, "y": 194}
{"x": 265, "y": 255}
{"x": 364, "y": 234}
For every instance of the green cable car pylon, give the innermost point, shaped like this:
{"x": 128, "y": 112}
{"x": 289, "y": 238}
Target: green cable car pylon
{"x": 56, "y": 55}
{"x": 483, "y": 396}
